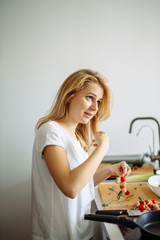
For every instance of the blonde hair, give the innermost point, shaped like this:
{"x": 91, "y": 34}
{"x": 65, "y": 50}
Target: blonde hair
{"x": 73, "y": 84}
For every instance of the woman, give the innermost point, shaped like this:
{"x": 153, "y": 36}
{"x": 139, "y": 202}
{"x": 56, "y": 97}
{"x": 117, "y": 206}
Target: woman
{"x": 64, "y": 173}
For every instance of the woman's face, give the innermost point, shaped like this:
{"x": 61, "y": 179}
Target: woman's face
{"x": 84, "y": 105}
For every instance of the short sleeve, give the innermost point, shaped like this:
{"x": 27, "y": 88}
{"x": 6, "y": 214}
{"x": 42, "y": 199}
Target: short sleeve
{"x": 49, "y": 134}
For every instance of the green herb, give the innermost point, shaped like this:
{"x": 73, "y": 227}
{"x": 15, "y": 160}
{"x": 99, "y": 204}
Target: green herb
{"x": 112, "y": 189}
{"x": 106, "y": 204}
{"x": 128, "y": 197}
{"x": 119, "y": 195}
{"x": 141, "y": 200}
{"x": 134, "y": 208}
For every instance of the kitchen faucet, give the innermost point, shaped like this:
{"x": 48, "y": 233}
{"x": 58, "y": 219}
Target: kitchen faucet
{"x": 152, "y": 150}
{"x": 152, "y": 156}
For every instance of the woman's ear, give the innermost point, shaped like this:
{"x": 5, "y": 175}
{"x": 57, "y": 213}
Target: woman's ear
{"x": 69, "y": 99}
{"x": 71, "y": 96}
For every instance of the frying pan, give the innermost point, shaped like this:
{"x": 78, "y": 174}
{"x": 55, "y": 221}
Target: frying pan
{"x": 149, "y": 223}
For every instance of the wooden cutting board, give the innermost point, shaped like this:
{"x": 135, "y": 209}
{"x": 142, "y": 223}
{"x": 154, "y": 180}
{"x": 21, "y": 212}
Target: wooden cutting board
{"x": 109, "y": 192}
{"x": 145, "y": 169}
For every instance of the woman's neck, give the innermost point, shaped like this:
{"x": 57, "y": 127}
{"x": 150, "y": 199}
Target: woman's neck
{"x": 69, "y": 127}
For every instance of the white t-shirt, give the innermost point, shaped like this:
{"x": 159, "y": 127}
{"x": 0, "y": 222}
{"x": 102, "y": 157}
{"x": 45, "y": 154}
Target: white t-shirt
{"x": 54, "y": 215}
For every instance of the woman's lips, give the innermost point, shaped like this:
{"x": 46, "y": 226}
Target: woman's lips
{"x": 88, "y": 114}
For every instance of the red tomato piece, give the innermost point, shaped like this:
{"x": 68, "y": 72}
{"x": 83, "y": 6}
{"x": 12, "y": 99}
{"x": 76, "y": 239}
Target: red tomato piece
{"x": 122, "y": 187}
{"x": 127, "y": 192}
{"x": 146, "y": 201}
{"x": 135, "y": 167}
{"x": 149, "y": 205}
{"x": 142, "y": 207}
{"x": 141, "y": 202}
{"x": 123, "y": 179}
{"x": 154, "y": 201}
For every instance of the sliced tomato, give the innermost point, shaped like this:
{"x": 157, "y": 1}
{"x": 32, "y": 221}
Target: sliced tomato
{"x": 135, "y": 167}
{"x": 123, "y": 179}
{"x": 127, "y": 192}
{"x": 154, "y": 201}
{"x": 122, "y": 187}
{"x": 142, "y": 207}
{"x": 146, "y": 201}
{"x": 150, "y": 205}
{"x": 141, "y": 202}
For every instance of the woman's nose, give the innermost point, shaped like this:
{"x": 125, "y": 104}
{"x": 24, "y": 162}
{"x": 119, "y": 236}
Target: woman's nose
{"x": 94, "y": 106}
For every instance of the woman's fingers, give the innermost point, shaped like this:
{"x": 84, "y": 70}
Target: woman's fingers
{"x": 94, "y": 143}
{"x": 121, "y": 169}
{"x": 124, "y": 169}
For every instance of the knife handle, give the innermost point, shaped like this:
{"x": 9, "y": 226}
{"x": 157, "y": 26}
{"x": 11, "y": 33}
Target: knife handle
{"x": 111, "y": 212}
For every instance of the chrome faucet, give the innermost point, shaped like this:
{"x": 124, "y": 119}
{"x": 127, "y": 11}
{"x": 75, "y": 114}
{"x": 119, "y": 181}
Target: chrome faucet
{"x": 153, "y": 157}
{"x": 152, "y": 150}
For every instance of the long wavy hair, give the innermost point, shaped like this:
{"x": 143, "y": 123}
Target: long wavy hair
{"x": 73, "y": 84}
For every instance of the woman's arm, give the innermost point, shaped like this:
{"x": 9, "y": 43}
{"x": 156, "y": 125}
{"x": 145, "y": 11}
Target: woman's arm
{"x": 70, "y": 182}
{"x": 119, "y": 169}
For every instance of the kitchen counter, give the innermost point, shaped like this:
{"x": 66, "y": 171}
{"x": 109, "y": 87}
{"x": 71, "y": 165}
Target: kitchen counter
{"x": 112, "y": 229}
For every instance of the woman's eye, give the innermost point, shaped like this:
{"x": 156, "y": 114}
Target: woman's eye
{"x": 89, "y": 97}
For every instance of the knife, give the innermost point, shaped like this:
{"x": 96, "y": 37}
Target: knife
{"x": 131, "y": 213}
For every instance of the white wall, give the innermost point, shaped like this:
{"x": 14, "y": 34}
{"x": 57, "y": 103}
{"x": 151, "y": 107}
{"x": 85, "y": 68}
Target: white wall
{"x": 42, "y": 42}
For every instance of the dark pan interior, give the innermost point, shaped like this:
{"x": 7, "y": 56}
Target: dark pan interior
{"x": 150, "y": 222}
{"x": 153, "y": 227}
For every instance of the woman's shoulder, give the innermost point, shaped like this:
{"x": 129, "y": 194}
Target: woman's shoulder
{"x": 49, "y": 133}
{"x": 50, "y": 126}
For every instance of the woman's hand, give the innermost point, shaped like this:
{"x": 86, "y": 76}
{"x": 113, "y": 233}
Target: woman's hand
{"x": 120, "y": 169}
{"x": 117, "y": 170}
{"x": 101, "y": 139}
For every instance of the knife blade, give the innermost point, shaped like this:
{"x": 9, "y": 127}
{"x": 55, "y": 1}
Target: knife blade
{"x": 131, "y": 213}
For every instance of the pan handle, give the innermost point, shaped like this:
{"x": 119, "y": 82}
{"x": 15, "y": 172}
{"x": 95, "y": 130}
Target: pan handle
{"x": 124, "y": 221}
